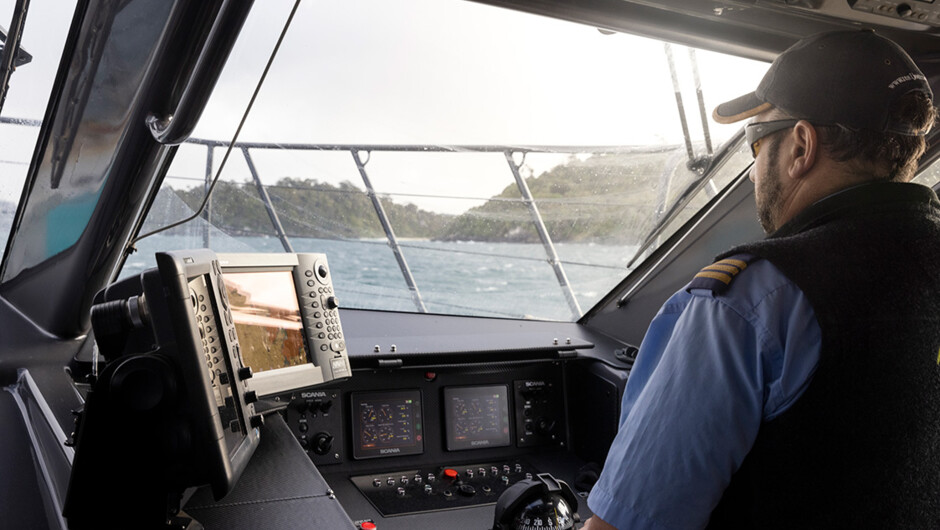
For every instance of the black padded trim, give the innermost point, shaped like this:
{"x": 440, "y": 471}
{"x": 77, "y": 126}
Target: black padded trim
{"x": 21, "y": 498}
{"x": 280, "y": 488}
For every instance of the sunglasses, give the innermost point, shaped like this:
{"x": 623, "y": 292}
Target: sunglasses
{"x": 755, "y": 132}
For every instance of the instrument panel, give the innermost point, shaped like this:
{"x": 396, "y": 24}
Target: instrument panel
{"x": 386, "y": 424}
{"x": 476, "y": 416}
{"x": 417, "y": 440}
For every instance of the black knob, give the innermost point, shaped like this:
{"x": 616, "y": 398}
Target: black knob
{"x": 322, "y": 443}
{"x": 142, "y": 383}
{"x": 244, "y": 373}
{"x": 545, "y": 426}
{"x": 256, "y": 421}
{"x": 251, "y": 397}
{"x": 331, "y": 302}
{"x": 466, "y": 490}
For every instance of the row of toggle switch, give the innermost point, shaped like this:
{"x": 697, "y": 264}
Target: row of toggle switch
{"x": 451, "y": 474}
{"x": 403, "y": 480}
{"x": 420, "y": 490}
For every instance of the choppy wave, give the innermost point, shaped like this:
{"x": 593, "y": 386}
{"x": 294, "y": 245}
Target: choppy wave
{"x": 485, "y": 279}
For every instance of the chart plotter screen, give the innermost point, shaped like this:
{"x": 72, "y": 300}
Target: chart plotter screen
{"x": 267, "y": 319}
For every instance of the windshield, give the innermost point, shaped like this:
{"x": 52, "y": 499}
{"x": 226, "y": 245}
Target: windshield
{"x": 44, "y": 33}
{"x": 451, "y": 157}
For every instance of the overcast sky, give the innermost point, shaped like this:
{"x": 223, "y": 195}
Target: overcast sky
{"x": 414, "y": 72}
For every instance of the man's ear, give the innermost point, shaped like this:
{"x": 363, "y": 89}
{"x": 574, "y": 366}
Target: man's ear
{"x": 804, "y": 149}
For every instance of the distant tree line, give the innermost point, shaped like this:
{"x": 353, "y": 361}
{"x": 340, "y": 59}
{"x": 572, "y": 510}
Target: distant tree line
{"x": 604, "y": 198}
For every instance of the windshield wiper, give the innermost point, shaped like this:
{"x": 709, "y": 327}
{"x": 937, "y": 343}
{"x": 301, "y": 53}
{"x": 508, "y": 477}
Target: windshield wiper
{"x": 12, "y": 55}
{"x": 705, "y": 167}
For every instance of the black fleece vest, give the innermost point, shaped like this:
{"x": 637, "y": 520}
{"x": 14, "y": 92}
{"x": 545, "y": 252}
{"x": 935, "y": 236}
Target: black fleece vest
{"x": 861, "y": 447}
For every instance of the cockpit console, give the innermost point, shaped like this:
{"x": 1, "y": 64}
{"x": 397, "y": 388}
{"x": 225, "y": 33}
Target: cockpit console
{"x": 190, "y": 346}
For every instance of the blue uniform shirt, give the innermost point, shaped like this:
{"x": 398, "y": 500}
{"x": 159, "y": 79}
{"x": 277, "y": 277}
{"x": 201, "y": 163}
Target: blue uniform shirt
{"x": 710, "y": 369}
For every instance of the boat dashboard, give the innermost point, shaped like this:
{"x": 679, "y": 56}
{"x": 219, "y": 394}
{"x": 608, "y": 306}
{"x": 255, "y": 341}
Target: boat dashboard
{"x": 421, "y": 435}
{"x": 425, "y": 435}
{"x": 413, "y": 437}
{"x": 388, "y": 419}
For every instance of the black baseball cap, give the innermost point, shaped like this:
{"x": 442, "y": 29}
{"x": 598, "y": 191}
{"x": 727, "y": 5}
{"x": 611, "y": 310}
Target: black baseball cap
{"x": 849, "y": 78}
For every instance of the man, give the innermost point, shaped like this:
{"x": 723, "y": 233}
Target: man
{"x": 795, "y": 383}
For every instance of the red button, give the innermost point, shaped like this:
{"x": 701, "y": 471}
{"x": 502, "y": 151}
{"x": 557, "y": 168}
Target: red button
{"x": 451, "y": 474}
{"x": 367, "y": 526}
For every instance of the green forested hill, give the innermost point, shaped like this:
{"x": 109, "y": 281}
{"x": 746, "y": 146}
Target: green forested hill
{"x": 604, "y": 198}
{"x": 309, "y": 208}
{"x": 581, "y": 200}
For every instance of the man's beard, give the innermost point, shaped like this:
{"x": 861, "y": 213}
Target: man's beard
{"x": 768, "y": 192}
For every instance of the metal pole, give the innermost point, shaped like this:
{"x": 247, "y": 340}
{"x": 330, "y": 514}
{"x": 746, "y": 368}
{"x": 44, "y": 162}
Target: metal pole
{"x": 207, "y": 212}
{"x": 544, "y": 236}
{"x": 389, "y": 233}
{"x": 267, "y": 202}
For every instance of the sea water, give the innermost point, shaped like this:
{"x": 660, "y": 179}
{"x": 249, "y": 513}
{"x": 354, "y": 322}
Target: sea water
{"x": 514, "y": 280}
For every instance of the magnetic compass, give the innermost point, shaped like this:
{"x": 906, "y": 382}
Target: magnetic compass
{"x": 541, "y": 503}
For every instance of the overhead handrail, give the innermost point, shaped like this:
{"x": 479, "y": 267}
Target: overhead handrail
{"x": 230, "y": 145}
{"x": 439, "y": 148}
{"x": 175, "y": 126}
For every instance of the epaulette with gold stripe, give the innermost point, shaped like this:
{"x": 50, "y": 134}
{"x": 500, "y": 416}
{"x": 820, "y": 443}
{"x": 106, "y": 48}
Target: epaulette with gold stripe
{"x": 717, "y": 277}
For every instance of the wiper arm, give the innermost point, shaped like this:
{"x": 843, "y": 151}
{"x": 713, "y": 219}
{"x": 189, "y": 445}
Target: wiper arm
{"x": 706, "y": 167}
{"x": 11, "y": 53}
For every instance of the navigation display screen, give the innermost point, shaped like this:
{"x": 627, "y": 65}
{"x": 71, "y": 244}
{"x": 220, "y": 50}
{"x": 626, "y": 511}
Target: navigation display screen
{"x": 267, "y": 319}
{"x": 476, "y": 417}
{"x": 387, "y": 424}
